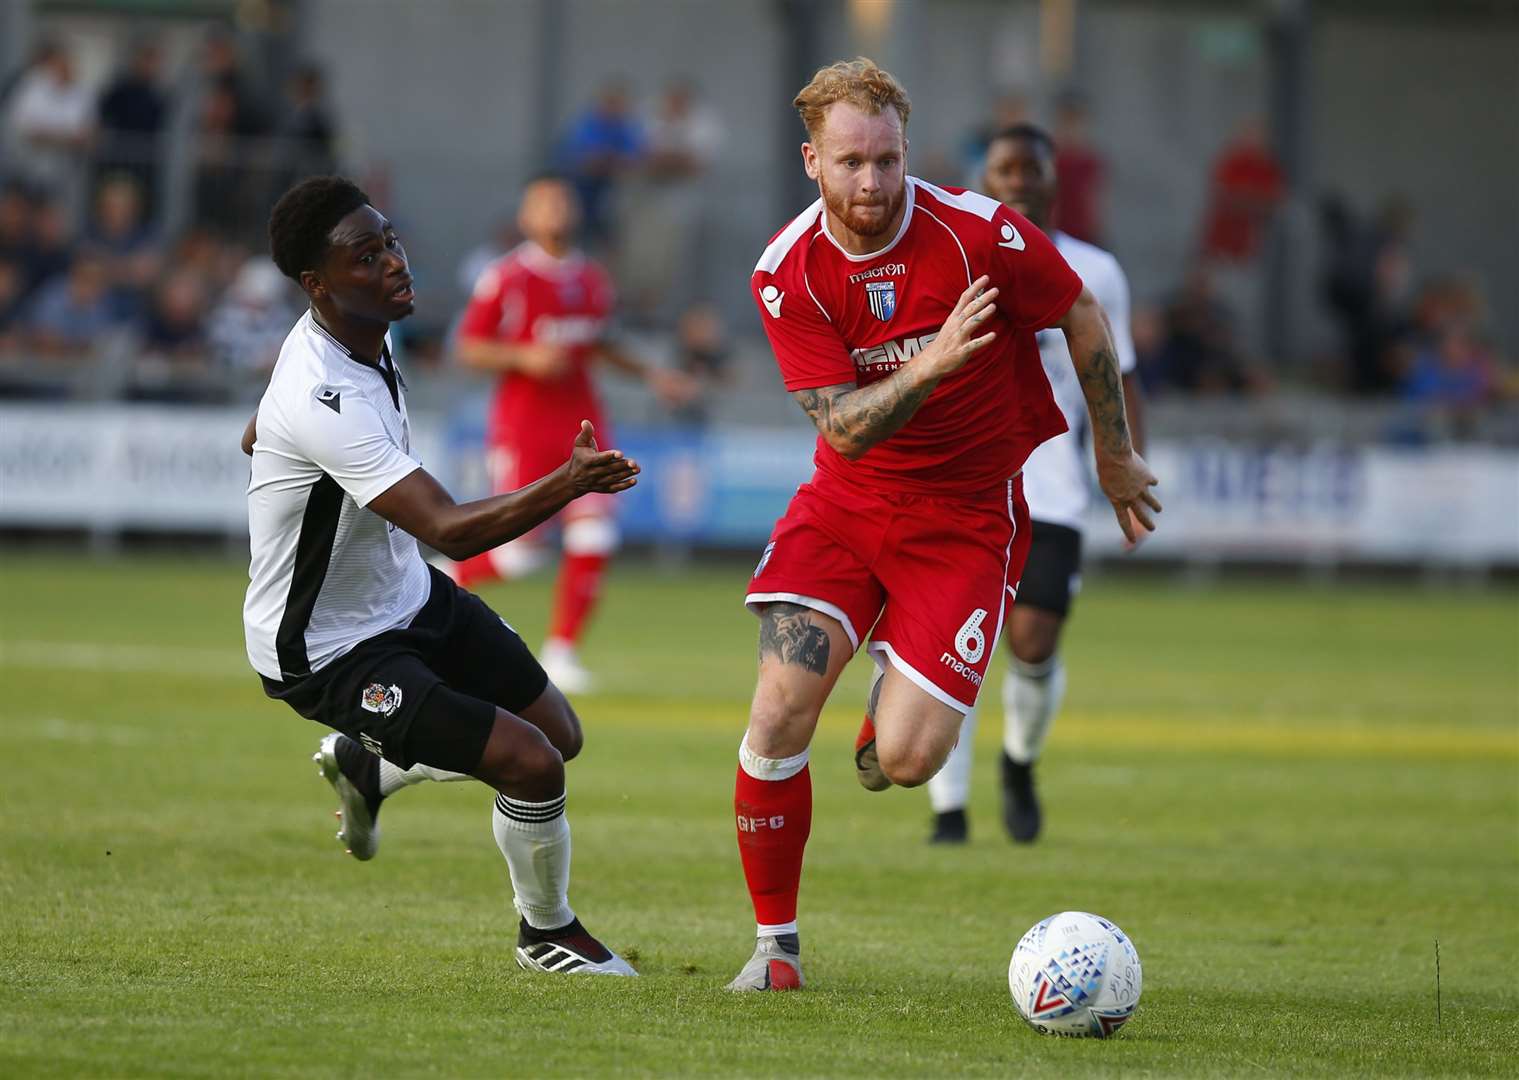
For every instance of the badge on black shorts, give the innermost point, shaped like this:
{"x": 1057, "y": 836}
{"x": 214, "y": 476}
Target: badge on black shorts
{"x": 384, "y": 700}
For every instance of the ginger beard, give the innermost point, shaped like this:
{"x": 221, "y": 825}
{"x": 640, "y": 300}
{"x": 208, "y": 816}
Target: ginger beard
{"x": 863, "y": 216}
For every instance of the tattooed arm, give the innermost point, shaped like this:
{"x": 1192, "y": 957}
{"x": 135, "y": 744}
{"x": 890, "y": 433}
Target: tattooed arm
{"x": 854, "y": 418}
{"x": 1123, "y": 474}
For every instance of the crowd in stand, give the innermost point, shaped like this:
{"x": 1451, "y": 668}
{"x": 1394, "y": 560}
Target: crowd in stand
{"x": 97, "y": 263}
{"x": 97, "y": 259}
{"x": 1400, "y": 338}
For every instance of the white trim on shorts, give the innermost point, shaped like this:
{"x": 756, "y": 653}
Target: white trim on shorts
{"x": 876, "y": 649}
{"x": 1007, "y": 561}
{"x": 833, "y": 611}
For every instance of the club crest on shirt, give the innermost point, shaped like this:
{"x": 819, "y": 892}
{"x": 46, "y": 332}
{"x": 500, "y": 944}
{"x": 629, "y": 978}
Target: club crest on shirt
{"x": 882, "y": 296}
{"x": 377, "y": 698}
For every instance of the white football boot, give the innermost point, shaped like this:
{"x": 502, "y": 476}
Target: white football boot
{"x": 354, "y": 774}
{"x": 775, "y": 965}
{"x": 569, "y": 950}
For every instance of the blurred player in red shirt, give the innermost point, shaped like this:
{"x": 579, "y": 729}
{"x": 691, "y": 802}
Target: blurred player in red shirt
{"x": 902, "y": 317}
{"x": 540, "y": 317}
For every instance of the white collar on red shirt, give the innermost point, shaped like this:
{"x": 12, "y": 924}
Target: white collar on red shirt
{"x": 540, "y": 261}
{"x": 901, "y": 229}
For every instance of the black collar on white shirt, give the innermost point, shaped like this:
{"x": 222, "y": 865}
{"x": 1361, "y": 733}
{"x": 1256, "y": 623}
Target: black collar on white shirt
{"x": 385, "y": 365}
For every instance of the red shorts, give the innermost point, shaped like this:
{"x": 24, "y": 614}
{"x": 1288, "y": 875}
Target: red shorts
{"x": 933, "y": 576}
{"x": 516, "y": 463}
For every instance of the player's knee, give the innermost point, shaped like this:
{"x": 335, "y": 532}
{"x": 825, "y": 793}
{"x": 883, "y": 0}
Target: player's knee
{"x": 1033, "y": 645}
{"x": 779, "y": 707}
{"x": 908, "y": 766}
{"x": 777, "y": 720}
{"x": 571, "y": 738}
{"x": 524, "y": 759}
{"x": 539, "y": 763}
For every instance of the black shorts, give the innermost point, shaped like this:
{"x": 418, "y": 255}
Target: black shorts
{"x": 426, "y": 692}
{"x": 1052, "y": 575}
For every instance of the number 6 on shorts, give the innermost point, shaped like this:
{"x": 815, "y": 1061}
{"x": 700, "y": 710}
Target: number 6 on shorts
{"x": 970, "y": 642}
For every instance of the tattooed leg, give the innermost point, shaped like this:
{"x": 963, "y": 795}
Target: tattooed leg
{"x": 788, "y": 632}
{"x": 801, "y": 653}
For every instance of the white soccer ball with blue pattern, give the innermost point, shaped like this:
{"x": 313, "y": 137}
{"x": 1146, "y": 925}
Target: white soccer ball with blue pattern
{"x": 1075, "y": 974}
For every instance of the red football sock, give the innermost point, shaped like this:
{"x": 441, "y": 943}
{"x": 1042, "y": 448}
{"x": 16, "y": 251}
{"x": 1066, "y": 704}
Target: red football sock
{"x": 578, "y": 589}
{"x": 774, "y": 819}
{"x": 476, "y": 570}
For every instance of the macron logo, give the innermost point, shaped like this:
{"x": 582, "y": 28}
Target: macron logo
{"x": 963, "y": 670}
{"x": 332, "y": 399}
{"x": 772, "y": 297}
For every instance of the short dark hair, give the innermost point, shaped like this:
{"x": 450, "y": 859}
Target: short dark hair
{"x": 301, "y": 220}
{"x": 1032, "y": 132}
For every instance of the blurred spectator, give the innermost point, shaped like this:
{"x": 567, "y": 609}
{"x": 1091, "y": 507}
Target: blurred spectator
{"x": 602, "y": 145}
{"x": 128, "y": 247}
{"x": 1200, "y": 352}
{"x": 50, "y": 251}
{"x": 702, "y": 354}
{"x": 1247, "y": 187}
{"x": 175, "y": 327}
{"x": 223, "y": 191}
{"x": 1366, "y": 286}
{"x": 307, "y": 134}
{"x": 685, "y": 134}
{"x": 221, "y": 67}
{"x": 16, "y": 226}
{"x": 248, "y": 327}
{"x": 1455, "y": 370}
{"x": 214, "y": 261}
{"x": 70, "y": 314}
{"x": 49, "y": 122}
{"x": 132, "y": 113}
{"x": 12, "y": 303}
{"x": 1082, "y": 172}
{"x": 661, "y": 252}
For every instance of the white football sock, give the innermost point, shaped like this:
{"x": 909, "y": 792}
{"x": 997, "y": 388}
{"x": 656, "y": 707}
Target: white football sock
{"x": 535, "y": 838}
{"x": 950, "y": 787}
{"x": 393, "y": 779}
{"x": 775, "y": 929}
{"x": 1031, "y": 697}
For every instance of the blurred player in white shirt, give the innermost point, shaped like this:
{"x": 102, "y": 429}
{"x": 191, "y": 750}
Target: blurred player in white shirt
{"x": 1020, "y": 173}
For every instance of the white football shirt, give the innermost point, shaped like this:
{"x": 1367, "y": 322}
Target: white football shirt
{"x": 325, "y": 572}
{"x": 1057, "y": 478}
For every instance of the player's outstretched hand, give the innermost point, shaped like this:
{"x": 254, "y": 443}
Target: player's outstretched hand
{"x": 591, "y": 469}
{"x": 958, "y": 338}
{"x": 1127, "y": 483}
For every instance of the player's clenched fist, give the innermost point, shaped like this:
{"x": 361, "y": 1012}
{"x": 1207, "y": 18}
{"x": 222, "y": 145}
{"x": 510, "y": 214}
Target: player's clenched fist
{"x": 605, "y": 471}
{"x": 960, "y": 337}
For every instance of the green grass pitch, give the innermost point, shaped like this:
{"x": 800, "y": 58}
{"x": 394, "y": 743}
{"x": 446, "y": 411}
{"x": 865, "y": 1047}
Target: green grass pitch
{"x": 1285, "y": 794}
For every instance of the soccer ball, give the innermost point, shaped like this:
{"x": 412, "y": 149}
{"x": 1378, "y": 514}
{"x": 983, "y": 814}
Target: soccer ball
{"x": 1075, "y": 974}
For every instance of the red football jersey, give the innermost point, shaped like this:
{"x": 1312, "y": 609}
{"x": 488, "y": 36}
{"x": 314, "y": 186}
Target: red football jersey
{"x": 833, "y": 317}
{"x": 529, "y": 295}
